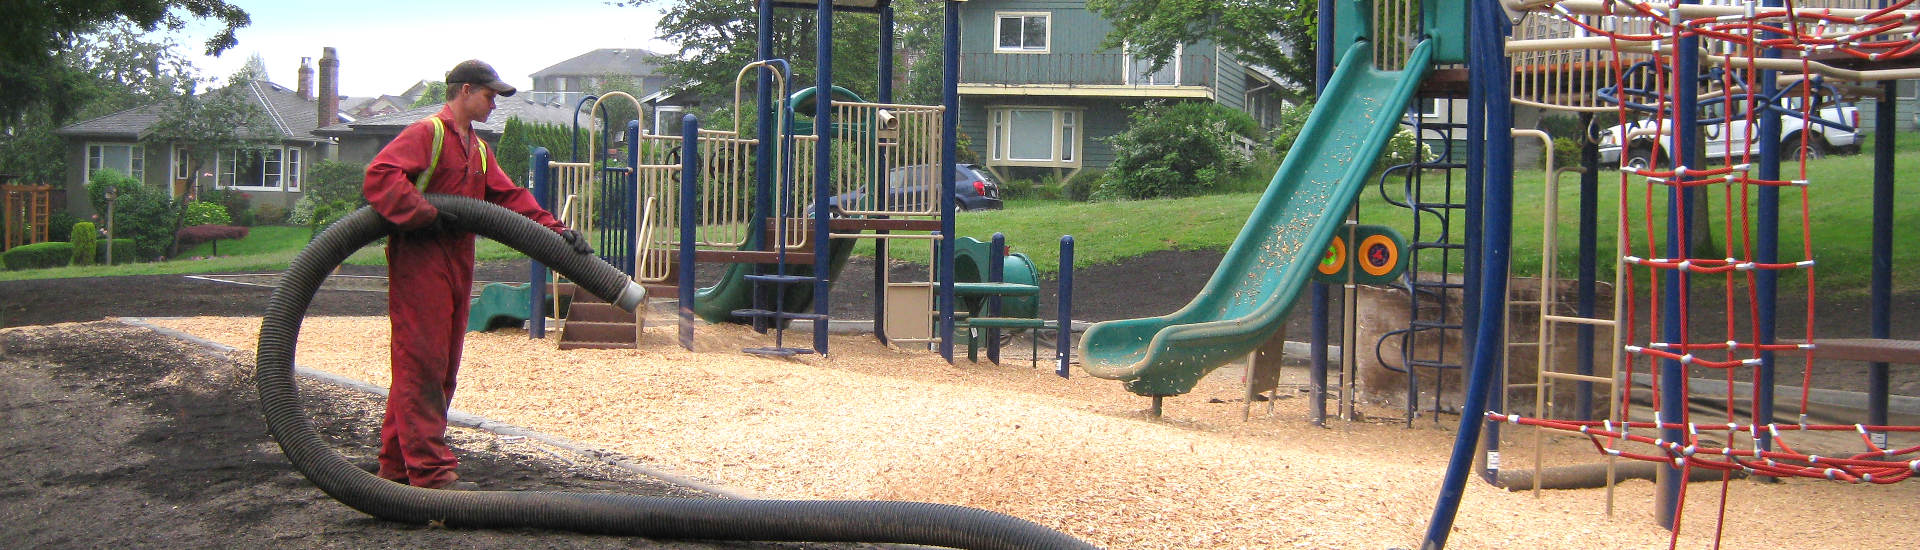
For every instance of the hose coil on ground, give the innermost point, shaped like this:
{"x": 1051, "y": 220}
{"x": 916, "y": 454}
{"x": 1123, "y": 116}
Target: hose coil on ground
{"x": 655, "y": 517}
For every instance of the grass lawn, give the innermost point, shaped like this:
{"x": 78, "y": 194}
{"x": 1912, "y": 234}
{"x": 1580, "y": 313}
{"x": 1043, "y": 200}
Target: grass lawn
{"x": 1111, "y": 231}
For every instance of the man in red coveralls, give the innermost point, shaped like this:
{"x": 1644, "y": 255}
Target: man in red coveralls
{"x": 430, "y": 267}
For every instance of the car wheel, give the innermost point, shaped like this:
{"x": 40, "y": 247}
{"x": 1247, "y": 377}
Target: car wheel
{"x": 1790, "y": 150}
{"x": 1639, "y": 157}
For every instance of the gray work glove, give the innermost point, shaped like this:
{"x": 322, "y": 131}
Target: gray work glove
{"x": 577, "y": 241}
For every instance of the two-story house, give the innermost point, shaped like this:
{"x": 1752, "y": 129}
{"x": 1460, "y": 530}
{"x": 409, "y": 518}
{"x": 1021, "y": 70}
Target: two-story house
{"x": 1037, "y": 92}
{"x": 567, "y": 81}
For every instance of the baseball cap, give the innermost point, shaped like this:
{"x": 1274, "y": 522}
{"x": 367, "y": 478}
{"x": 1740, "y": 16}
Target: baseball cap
{"x": 474, "y": 71}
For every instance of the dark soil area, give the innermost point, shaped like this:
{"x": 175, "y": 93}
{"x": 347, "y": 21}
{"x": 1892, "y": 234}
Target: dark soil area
{"x": 116, "y": 436}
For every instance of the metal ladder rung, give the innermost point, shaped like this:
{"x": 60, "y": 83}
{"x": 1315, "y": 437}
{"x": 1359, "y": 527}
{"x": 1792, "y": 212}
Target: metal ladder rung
{"x": 1577, "y": 377}
{"x": 1581, "y": 320}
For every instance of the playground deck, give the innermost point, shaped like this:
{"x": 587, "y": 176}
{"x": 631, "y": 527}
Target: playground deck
{"x": 875, "y": 422}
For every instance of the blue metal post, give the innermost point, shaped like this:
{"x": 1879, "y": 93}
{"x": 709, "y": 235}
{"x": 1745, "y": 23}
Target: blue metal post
{"x": 1881, "y": 302}
{"x": 822, "y": 162}
{"x": 632, "y": 216}
{"x": 1487, "y": 44}
{"x": 574, "y": 155}
{"x": 1479, "y": 135}
{"x": 996, "y": 273}
{"x": 689, "y": 170}
{"x": 1063, "y": 339}
{"x": 1317, "y": 352}
{"x": 949, "y": 129}
{"x": 764, "y": 180}
{"x": 1589, "y": 260}
{"x": 1766, "y": 247}
{"x": 1673, "y": 399}
{"x": 537, "y": 298}
{"x": 880, "y": 244}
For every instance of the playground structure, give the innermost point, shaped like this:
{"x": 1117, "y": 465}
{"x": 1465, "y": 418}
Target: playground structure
{"x": 780, "y": 204}
{"x": 1592, "y": 57}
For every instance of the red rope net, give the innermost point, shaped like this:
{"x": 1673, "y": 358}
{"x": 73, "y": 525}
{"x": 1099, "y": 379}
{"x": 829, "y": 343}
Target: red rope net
{"x": 1737, "y": 42}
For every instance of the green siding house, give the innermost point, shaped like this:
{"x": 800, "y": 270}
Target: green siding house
{"x": 1038, "y": 93}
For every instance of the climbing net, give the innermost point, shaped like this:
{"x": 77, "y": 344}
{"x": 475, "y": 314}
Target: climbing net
{"x": 1736, "y": 41}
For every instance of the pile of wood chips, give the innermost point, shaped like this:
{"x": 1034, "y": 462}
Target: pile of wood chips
{"x": 873, "y": 422}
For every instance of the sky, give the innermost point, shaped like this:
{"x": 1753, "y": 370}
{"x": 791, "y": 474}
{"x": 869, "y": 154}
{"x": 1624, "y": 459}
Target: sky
{"x": 386, "y": 47}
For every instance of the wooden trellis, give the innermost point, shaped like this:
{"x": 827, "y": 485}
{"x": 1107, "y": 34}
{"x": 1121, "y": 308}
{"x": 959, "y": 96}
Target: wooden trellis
{"x": 28, "y": 208}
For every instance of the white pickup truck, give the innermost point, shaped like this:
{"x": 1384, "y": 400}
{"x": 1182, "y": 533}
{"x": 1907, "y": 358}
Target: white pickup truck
{"x": 1822, "y": 139}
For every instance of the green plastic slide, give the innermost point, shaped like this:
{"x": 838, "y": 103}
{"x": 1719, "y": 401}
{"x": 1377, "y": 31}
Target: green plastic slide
{"x": 1248, "y": 297}
{"x": 733, "y": 291}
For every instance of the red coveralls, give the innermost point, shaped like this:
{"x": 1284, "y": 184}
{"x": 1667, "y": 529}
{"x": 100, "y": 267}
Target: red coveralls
{"x": 430, "y": 279}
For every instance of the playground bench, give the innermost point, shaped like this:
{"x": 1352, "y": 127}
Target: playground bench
{"x": 1877, "y": 350}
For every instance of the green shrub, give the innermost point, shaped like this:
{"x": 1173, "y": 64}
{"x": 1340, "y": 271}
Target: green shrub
{"x": 269, "y": 214}
{"x": 1179, "y": 150}
{"x": 324, "y": 216}
{"x": 1081, "y": 186}
{"x": 239, "y": 205}
{"x": 141, "y": 213}
{"x": 1016, "y": 189}
{"x": 120, "y": 255}
{"x": 302, "y": 211}
{"x": 85, "y": 241}
{"x": 38, "y": 255}
{"x": 1566, "y": 153}
{"x": 59, "y": 224}
{"x": 1292, "y": 119}
{"x": 207, "y": 213}
{"x": 329, "y": 181}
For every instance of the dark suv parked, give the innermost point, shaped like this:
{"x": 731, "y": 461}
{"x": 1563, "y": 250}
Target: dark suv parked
{"x": 973, "y": 189}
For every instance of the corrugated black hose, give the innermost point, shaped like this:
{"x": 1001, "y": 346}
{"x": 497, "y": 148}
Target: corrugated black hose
{"x": 668, "y": 518}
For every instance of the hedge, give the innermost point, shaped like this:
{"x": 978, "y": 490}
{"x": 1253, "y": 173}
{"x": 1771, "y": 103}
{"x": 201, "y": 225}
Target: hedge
{"x": 38, "y": 255}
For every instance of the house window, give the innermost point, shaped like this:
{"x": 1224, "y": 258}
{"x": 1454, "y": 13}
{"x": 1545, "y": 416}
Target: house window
{"x": 1140, "y": 71}
{"x": 667, "y": 120}
{"x": 1031, "y": 136}
{"x": 293, "y": 169}
{"x": 126, "y": 159}
{"x": 182, "y": 165}
{"x": 1022, "y": 32}
{"x": 256, "y": 169}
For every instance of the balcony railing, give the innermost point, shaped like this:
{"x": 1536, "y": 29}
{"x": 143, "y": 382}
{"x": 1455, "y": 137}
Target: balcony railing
{"x": 1082, "y": 69}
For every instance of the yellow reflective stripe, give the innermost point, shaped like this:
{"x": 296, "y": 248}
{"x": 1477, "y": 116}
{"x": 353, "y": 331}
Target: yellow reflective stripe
{"x": 439, "y": 135}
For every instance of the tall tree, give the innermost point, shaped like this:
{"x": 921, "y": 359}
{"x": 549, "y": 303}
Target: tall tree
{"x": 112, "y": 67}
{"x": 210, "y": 124}
{"x": 1277, "y": 35}
{"x": 221, "y": 121}
{"x": 32, "y": 34}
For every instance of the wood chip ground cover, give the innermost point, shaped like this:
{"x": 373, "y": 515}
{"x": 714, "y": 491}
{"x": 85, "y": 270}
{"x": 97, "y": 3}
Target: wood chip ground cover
{"x": 872, "y": 422}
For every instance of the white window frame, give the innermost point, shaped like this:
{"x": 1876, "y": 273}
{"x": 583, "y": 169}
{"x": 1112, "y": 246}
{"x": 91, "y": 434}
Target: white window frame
{"x": 1134, "y": 79}
{"x": 227, "y": 169}
{"x": 1000, "y": 17}
{"x": 293, "y": 167}
{"x": 665, "y": 117}
{"x": 1068, "y": 136}
{"x": 136, "y": 159}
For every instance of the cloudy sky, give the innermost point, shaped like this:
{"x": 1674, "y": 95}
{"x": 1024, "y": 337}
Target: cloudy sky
{"x": 386, "y": 46}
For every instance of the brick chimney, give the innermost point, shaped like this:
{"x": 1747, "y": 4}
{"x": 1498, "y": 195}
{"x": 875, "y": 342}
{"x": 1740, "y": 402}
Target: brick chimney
{"x": 306, "y": 78}
{"x": 329, "y": 109}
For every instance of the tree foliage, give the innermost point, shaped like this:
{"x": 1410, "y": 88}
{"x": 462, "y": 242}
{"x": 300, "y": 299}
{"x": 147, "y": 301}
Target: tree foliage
{"x": 112, "y": 67}
{"x": 436, "y": 94}
{"x": 34, "y": 34}
{"x": 1277, "y": 35}
{"x": 717, "y": 38}
{"x": 207, "y": 124}
{"x": 519, "y": 139}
